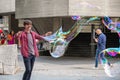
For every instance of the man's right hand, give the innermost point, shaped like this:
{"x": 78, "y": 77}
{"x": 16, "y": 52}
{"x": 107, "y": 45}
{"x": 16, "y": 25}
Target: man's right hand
{"x": 96, "y": 40}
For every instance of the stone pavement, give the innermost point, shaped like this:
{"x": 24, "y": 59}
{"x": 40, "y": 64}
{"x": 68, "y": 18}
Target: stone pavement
{"x": 64, "y": 68}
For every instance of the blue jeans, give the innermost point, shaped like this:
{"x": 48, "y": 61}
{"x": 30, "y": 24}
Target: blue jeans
{"x": 97, "y": 57}
{"x": 29, "y": 63}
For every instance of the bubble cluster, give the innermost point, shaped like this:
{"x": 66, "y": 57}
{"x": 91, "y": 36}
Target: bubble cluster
{"x": 60, "y": 40}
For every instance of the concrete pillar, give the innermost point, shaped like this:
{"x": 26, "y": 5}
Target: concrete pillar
{"x": 13, "y": 23}
{"x": 92, "y": 40}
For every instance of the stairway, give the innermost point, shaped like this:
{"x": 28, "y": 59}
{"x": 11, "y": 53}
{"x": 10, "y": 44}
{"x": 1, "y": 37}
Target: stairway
{"x": 80, "y": 46}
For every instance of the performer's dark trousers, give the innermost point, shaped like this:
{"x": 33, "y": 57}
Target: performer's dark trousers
{"x": 29, "y": 63}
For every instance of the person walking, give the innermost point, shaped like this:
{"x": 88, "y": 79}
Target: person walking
{"x": 29, "y": 50}
{"x": 101, "y": 45}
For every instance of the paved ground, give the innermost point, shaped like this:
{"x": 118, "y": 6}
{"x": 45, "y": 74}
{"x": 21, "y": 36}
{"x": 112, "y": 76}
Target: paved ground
{"x": 65, "y": 68}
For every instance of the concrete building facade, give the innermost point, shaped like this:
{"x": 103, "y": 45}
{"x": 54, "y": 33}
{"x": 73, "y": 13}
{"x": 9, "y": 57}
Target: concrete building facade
{"x": 53, "y": 8}
{"x": 49, "y": 15}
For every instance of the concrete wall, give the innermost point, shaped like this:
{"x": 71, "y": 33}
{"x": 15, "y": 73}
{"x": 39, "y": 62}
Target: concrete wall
{"x": 7, "y": 6}
{"x": 95, "y": 7}
{"x": 86, "y": 7}
{"x": 53, "y": 8}
{"x": 113, "y": 7}
{"x": 8, "y": 59}
{"x": 41, "y": 8}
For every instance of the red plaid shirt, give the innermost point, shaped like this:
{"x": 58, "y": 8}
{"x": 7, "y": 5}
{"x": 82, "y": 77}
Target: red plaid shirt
{"x": 24, "y": 43}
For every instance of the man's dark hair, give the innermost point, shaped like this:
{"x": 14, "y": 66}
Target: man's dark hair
{"x": 27, "y": 22}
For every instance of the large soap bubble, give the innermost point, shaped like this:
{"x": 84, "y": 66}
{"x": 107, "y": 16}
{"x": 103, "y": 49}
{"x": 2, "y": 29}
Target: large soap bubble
{"x": 58, "y": 48}
{"x": 60, "y": 40}
{"x": 111, "y": 61}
